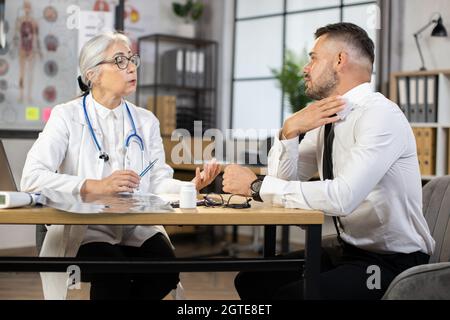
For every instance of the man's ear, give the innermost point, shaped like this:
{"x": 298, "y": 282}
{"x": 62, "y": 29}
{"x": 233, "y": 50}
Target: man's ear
{"x": 341, "y": 60}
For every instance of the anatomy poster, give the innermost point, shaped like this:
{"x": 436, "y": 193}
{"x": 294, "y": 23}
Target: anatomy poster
{"x": 141, "y": 18}
{"x": 36, "y": 63}
{"x": 39, "y": 63}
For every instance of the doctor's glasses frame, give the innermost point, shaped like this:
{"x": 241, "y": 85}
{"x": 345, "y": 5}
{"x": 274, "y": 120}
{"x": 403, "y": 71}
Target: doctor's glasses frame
{"x": 122, "y": 61}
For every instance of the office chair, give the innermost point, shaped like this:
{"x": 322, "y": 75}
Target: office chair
{"x": 430, "y": 281}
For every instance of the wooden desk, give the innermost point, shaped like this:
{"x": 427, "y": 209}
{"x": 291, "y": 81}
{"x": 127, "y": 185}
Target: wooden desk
{"x": 259, "y": 214}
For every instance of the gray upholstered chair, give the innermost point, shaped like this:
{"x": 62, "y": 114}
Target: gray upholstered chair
{"x": 431, "y": 281}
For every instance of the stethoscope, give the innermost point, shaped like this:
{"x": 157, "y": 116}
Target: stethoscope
{"x": 133, "y": 135}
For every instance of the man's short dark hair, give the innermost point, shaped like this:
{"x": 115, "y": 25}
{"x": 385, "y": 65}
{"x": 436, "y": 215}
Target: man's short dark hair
{"x": 351, "y": 34}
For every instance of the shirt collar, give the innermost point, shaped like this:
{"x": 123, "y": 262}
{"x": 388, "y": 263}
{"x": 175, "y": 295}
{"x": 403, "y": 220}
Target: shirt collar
{"x": 104, "y": 112}
{"x": 358, "y": 93}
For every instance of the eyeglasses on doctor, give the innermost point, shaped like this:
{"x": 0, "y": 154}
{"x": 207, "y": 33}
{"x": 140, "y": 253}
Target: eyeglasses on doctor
{"x": 122, "y": 61}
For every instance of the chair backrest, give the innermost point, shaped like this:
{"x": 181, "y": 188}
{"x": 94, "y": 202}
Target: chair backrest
{"x": 436, "y": 209}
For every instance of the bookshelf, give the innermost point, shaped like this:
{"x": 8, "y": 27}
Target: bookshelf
{"x": 178, "y": 81}
{"x": 424, "y": 97}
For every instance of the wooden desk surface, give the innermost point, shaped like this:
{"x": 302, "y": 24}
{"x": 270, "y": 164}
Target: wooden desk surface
{"x": 259, "y": 214}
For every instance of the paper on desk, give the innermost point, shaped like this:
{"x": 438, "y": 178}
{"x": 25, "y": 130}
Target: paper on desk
{"x": 120, "y": 203}
{"x": 170, "y": 197}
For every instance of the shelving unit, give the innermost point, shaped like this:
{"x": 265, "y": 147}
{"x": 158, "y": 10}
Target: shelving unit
{"x": 183, "y": 68}
{"x": 439, "y": 145}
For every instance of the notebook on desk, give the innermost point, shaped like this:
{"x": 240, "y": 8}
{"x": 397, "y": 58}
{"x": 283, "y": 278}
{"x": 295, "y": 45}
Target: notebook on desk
{"x": 7, "y": 182}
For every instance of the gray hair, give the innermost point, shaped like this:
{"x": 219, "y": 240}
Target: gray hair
{"x": 94, "y": 51}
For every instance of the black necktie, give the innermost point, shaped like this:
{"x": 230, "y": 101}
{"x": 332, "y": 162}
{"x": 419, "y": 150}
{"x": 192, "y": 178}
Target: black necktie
{"x": 327, "y": 165}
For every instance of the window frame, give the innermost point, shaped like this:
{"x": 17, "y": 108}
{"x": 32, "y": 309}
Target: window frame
{"x": 284, "y": 14}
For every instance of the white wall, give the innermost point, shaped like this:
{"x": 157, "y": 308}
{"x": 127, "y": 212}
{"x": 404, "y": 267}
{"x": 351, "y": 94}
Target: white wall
{"x": 416, "y": 14}
{"x": 217, "y": 24}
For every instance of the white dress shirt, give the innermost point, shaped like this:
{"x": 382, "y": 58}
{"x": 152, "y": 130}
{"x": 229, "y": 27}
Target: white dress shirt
{"x": 376, "y": 190}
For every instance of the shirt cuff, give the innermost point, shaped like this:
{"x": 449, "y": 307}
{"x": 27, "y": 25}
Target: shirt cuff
{"x": 77, "y": 189}
{"x": 285, "y": 145}
{"x": 270, "y": 190}
{"x": 289, "y": 148}
{"x": 290, "y": 144}
{"x": 283, "y": 193}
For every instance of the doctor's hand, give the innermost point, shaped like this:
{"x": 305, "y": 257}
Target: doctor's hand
{"x": 237, "y": 180}
{"x": 313, "y": 116}
{"x": 207, "y": 175}
{"x": 118, "y": 181}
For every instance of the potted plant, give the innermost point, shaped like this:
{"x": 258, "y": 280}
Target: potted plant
{"x": 190, "y": 12}
{"x": 291, "y": 80}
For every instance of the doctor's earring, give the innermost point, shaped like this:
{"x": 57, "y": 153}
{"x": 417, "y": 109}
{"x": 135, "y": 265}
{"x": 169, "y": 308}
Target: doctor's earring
{"x": 89, "y": 84}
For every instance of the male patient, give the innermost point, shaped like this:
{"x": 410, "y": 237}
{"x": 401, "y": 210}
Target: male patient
{"x": 365, "y": 152}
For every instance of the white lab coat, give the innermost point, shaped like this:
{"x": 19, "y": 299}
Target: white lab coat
{"x": 65, "y": 155}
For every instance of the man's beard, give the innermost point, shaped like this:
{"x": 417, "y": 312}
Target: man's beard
{"x": 327, "y": 83}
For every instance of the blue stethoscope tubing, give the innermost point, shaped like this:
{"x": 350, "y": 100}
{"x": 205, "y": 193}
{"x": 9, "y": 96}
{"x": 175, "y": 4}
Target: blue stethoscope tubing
{"x": 104, "y": 155}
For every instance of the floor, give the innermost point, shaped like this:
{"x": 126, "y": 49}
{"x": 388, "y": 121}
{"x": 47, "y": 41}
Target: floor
{"x": 197, "y": 285}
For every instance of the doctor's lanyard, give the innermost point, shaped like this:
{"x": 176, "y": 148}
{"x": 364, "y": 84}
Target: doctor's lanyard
{"x": 102, "y": 154}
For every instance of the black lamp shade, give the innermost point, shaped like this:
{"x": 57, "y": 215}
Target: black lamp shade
{"x": 439, "y": 30}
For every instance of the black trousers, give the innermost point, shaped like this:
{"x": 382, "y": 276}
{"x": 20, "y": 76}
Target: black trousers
{"x": 344, "y": 275}
{"x": 141, "y": 286}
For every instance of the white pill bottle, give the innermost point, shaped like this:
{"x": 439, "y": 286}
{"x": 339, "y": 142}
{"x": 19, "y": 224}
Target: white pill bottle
{"x": 188, "y": 196}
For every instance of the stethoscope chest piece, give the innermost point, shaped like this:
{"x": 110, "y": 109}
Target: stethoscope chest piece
{"x": 104, "y": 156}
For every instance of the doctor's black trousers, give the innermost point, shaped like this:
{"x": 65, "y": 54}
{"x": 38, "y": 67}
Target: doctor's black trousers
{"x": 139, "y": 286}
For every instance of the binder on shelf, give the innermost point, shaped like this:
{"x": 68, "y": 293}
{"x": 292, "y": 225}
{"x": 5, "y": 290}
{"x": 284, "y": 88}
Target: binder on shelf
{"x": 190, "y": 68}
{"x": 172, "y": 67}
{"x": 421, "y": 112}
{"x": 431, "y": 98}
{"x": 194, "y": 68}
{"x": 187, "y": 68}
{"x": 426, "y": 91}
{"x": 201, "y": 69}
{"x": 403, "y": 101}
{"x": 413, "y": 107}
{"x": 183, "y": 67}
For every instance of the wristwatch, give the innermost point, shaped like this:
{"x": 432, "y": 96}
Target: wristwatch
{"x": 255, "y": 186}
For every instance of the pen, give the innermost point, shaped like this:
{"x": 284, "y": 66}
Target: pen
{"x": 148, "y": 168}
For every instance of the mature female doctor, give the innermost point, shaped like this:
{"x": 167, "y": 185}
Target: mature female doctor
{"x": 98, "y": 144}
